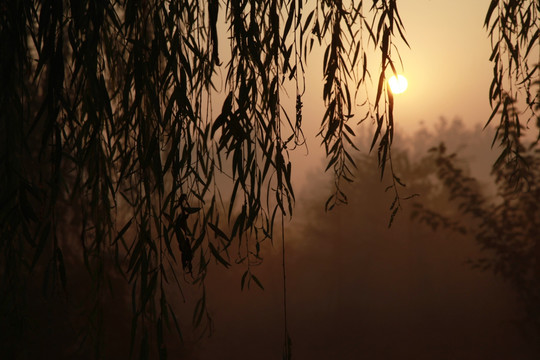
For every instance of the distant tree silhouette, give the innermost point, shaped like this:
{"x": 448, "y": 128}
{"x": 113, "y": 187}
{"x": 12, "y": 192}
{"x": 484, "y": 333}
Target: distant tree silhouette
{"x": 506, "y": 226}
{"x": 108, "y": 132}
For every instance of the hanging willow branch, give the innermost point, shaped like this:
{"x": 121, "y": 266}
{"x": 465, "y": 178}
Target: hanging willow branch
{"x": 112, "y": 151}
{"x": 341, "y": 25}
{"x": 514, "y": 29}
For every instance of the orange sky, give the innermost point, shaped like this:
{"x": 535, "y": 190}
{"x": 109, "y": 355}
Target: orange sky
{"x": 447, "y": 67}
{"x": 448, "y": 64}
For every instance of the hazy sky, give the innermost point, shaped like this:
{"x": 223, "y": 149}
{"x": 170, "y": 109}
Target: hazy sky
{"x": 448, "y": 63}
{"x": 447, "y": 67}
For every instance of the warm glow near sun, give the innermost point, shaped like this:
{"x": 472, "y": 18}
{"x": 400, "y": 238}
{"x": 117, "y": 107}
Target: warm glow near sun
{"x": 398, "y": 84}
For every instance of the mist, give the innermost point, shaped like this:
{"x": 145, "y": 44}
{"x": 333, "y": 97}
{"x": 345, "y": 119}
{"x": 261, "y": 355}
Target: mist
{"x": 358, "y": 289}
{"x": 355, "y": 287}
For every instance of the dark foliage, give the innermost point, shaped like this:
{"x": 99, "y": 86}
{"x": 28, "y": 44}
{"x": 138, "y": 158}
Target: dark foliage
{"x": 112, "y": 156}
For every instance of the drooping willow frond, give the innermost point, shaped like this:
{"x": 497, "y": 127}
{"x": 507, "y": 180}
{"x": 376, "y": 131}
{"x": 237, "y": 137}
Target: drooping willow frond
{"x": 514, "y": 29}
{"x": 114, "y": 148}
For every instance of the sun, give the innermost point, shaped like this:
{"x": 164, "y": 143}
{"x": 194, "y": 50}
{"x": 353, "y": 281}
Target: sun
{"x": 398, "y": 84}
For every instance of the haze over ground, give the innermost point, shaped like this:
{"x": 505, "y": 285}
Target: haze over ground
{"x": 358, "y": 289}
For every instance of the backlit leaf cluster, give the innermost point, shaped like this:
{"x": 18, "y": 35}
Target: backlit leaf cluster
{"x": 151, "y": 136}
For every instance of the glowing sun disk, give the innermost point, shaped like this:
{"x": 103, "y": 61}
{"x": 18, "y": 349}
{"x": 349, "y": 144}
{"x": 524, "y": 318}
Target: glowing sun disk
{"x": 398, "y": 84}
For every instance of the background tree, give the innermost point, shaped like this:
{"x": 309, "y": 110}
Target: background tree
{"x": 506, "y": 226}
